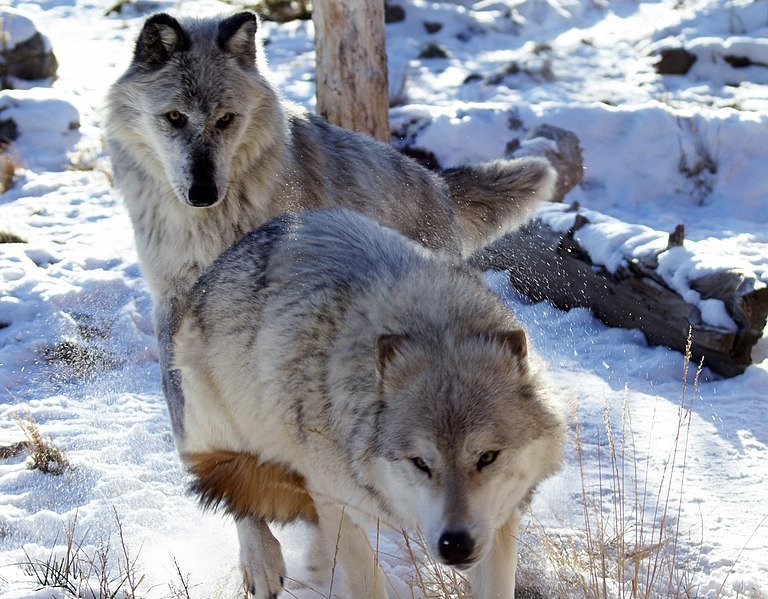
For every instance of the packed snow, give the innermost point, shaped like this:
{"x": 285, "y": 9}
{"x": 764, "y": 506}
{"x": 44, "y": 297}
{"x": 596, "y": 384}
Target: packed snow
{"x": 77, "y": 353}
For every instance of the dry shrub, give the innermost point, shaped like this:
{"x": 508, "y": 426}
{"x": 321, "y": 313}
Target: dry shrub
{"x": 44, "y": 455}
{"x": 82, "y": 572}
{"x": 8, "y": 166}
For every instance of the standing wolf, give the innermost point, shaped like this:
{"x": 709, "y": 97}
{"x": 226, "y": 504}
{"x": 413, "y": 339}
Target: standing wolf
{"x": 204, "y": 150}
{"x": 374, "y": 379}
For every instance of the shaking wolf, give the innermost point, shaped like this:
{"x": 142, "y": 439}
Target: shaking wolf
{"x": 204, "y": 150}
{"x": 336, "y": 371}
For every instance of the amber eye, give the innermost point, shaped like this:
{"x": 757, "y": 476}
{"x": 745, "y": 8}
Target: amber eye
{"x": 486, "y": 459}
{"x": 225, "y": 121}
{"x": 175, "y": 118}
{"x": 422, "y": 465}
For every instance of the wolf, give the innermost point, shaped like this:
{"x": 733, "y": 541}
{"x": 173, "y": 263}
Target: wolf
{"x": 204, "y": 149}
{"x": 336, "y": 371}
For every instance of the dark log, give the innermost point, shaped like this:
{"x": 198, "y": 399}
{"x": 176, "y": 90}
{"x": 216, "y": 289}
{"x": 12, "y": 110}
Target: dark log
{"x": 549, "y": 265}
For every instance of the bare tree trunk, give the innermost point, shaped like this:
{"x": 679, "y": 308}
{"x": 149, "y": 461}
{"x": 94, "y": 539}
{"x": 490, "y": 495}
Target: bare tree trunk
{"x": 352, "y": 65}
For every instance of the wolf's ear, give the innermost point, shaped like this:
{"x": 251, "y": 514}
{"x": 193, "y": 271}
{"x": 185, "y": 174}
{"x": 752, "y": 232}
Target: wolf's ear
{"x": 387, "y": 347}
{"x": 513, "y": 340}
{"x": 237, "y": 35}
{"x": 160, "y": 37}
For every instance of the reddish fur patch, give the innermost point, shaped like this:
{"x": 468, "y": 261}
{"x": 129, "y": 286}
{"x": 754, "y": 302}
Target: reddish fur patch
{"x": 246, "y": 486}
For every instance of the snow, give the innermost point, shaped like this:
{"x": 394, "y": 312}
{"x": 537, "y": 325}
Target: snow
{"x": 47, "y": 124}
{"x": 16, "y": 27}
{"x": 658, "y": 151}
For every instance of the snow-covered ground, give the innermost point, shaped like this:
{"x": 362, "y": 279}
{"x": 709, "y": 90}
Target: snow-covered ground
{"x": 76, "y": 347}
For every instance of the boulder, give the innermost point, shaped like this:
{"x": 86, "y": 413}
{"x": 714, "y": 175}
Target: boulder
{"x": 674, "y": 61}
{"x": 27, "y": 53}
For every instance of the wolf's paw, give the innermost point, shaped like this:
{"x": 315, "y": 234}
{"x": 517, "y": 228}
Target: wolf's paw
{"x": 264, "y": 578}
{"x": 260, "y": 559}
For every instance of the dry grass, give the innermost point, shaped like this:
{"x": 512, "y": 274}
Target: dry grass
{"x": 7, "y": 172}
{"x": 8, "y": 237}
{"x": 44, "y": 455}
{"x": 9, "y": 163}
{"x": 630, "y": 543}
{"x": 83, "y": 572}
{"x": 430, "y": 578}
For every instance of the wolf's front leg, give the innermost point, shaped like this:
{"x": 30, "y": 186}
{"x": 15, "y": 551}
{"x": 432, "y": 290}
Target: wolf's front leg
{"x": 345, "y": 543}
{"x": 260, "y": 558}
{"x": 494, "y": 577}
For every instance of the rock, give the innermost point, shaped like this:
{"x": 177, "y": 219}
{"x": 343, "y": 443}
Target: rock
{"x": 432, "y": 26}
{"x": 433, "y": 50}
{"x": 742, "y": 62}
{"x": 562, "y": 150}
{"x": 393, "y": 13}
{"x": 27, "y": 53}
{"x": 674, "y": 61}
{"x": 8, "y": 132}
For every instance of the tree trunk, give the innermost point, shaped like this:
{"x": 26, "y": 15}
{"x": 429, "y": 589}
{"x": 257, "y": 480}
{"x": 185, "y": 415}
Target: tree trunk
{"x": 549, "y": 265}
{"x": 351, "y": 65}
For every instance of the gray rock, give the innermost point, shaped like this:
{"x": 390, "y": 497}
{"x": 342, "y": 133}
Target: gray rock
{"x": 393, "y": 13}
{"x": 674, "y": 61}
{"x": 8, "y": 132}
{"x": 28, "y": 54}
{"x": 433, "y": 50}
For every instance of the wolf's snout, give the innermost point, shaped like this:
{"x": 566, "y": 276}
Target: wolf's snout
{"x": 456, "y": 547}
{"x": 203, "y": 193}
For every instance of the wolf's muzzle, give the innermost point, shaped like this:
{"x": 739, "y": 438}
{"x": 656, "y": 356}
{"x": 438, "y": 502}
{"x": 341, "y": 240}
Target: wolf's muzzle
{"x": 203, "y": 194}
{"x": 456, "y": 547}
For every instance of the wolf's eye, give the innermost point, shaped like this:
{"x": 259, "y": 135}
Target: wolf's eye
{"x": 176, "y": 119}
{"x": 422, "y": 465}
{"x": 486, "y": 459}
{"x": 225, "y": 121}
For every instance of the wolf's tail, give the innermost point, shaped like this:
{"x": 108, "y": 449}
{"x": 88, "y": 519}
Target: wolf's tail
{"x": 492, "y": 199}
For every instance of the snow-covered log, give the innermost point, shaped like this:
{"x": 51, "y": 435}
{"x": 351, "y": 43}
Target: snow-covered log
{"x": 634, "y": 277}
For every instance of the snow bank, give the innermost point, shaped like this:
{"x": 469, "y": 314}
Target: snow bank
{"x": 47, "y": 125}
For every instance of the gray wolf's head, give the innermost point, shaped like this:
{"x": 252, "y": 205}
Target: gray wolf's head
{"x": 465, "y": 433}
{"x": 185, "y": 103}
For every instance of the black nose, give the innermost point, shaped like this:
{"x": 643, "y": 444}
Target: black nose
{"x": 203, "y": 193}
{"x": 456, "y": 547}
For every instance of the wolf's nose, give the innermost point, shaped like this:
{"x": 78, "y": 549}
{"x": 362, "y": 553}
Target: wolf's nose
{"x": 456, "y": 547}
{"x": 203, "y": 193}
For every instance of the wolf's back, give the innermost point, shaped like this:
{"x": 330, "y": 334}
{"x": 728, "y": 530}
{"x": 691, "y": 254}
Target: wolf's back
{"x": 492, "y": 199}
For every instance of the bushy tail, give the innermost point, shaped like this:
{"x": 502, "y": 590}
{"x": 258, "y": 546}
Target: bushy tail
{"x": 490, "y": 200}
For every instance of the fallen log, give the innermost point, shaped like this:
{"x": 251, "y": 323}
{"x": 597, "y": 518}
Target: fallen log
{"x": 546, "y": 260}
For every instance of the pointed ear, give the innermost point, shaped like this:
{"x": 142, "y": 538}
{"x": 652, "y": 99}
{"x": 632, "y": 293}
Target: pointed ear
{"x": 513, "y": 340}
{"x": 160, "y": 37}
{"x": 237, "y": 35}
{"x": 387, "y": 347}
